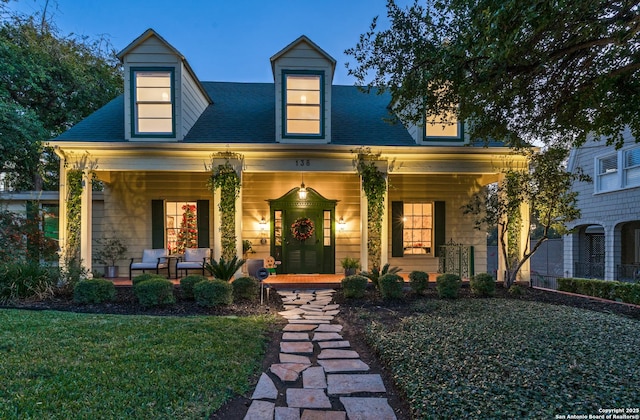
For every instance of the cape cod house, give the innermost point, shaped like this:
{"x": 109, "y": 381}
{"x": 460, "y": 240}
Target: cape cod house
{"x": 605, "y": 243}
{"x": 151, "y": 146}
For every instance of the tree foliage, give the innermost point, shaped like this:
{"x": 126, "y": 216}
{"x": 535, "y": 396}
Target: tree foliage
{"x": 519, "y": 71}
{"x": 48, "y": 83}
{"x": 546, "y": 188}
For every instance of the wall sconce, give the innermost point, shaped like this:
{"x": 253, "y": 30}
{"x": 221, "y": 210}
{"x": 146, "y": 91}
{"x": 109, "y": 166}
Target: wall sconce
{"x": 263, "y": 231}
{"x": 341, "y": 224}
{"x": 302, "y": 191}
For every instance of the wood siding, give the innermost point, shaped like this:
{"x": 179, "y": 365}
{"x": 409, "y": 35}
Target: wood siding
{"x": 303, "y": 57}
{"x": 455, "y": 191}
{"x": 152, "y": 53}
{"x": 128, "y": 198}
{"x": 193, "y": 101}
{"x": 263, "y": 186}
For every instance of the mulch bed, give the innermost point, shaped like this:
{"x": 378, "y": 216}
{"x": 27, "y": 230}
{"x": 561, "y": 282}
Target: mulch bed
{"x": 391, "y": 312}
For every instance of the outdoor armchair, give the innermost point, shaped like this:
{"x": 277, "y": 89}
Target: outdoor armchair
{"x": 193, "y": 259}
{"x": 152, "y": 259}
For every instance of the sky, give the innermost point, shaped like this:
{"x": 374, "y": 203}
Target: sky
{"x": 223, "y": 40}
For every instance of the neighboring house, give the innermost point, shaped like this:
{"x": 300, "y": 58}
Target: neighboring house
{"x": 606, "y": 239}
{"x": 152, "y": 143}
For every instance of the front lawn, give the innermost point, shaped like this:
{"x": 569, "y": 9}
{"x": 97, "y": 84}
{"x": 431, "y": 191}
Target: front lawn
{"x": 500, "y": 358}
{"x": 71, "y": 365}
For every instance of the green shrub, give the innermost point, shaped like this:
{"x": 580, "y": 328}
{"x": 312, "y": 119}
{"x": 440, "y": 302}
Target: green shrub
{"x": 144, "y": 277}
{"x": 223, "y": 269}
{"x": 391, "y": 286}
{"x": 154, "y": 291}
{"x": 567, "y": 285}
{"x": 213, "y": 293}
{"x": 516, "y": 290}
{"x": 627, "y": 292}
{"x": 187, "y": 284}
{"x": 245, "y": 288}
{"x": 375, "y": 274}
{"x": 448, "y": 285}
{"x": 26, "y": 280}
{"x": 605, "y": 289}
{"x": 483, "y": 284}
{"x": 419, "y": 281}
{"x": 354, "y": 286}
{"x": 94, "y": 291}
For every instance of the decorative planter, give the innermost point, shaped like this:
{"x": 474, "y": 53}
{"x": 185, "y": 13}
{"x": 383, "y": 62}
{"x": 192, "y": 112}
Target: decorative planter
{"x": 111, "y": 271}
{"x": 349, "y": 271}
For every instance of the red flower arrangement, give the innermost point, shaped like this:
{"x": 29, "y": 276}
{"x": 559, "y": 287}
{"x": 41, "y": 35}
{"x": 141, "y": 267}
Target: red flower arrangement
{"x": 302, "y": 228}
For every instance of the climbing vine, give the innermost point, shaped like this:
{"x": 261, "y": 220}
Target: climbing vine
{"x": 73, "y": 269}
{"x": 374, "y": 185}
{"x": 225, "y": 177}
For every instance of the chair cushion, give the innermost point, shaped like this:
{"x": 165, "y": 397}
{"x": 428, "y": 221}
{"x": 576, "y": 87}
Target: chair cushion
{"x": 152, "y": 255}
{"x": 147, "y": 265}
{"x": 196, "y": 254}
{"x": 189, "y": 264}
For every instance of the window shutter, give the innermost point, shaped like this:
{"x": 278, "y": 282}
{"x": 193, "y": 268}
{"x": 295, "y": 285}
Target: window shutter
{"x": 397, "y": 248}
{"x": 439, "y": 235}
{"x": 157, "y": 224}
{"x": 203, "y": 223}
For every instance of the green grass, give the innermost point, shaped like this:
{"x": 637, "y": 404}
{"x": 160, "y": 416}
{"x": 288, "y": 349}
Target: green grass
{"x": 60, "y": 365}
{"x": 497, "y": 358}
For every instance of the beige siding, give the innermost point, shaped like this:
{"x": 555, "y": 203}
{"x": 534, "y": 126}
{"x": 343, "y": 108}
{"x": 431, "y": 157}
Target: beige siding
{"x": 193, "y": 101}
{"x": 152, "y": 53}
{"x": 455, "y": 191}
{"x": 303, "y": 57}
{"x": 128, "y": 204}
{"x": 260, "y": 187}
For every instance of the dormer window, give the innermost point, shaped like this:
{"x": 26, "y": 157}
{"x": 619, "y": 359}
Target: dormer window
{"x": 153, "y": 102}
{"x": 303, "y": 113}
{"x": 443, "y": 127}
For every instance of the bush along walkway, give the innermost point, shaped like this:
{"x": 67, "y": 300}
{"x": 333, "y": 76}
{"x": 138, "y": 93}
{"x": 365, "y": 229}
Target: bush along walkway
{"x": 319, "y": 376}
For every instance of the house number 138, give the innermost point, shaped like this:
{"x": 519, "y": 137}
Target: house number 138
{"x": 303, "y": 162}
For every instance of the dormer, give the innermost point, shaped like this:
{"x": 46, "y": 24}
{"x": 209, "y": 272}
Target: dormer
{"x": 163, "y": 97}
{"x": 303, "y": 74}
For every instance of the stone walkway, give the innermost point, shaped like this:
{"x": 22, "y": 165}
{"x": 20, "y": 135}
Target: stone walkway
{"x": 319, "y": 376}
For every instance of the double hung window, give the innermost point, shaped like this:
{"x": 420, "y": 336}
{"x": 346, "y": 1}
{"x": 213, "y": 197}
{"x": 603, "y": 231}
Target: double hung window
{"x": 153, "y": 102}
{"x": 303, "y": 99}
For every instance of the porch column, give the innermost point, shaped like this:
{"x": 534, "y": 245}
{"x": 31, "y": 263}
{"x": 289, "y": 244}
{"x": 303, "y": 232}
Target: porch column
{"x": 217, "y": 241}
{"x": 364, "y": 233}
{"x": 238, "y": 215}
{"x": 62, "y": 210}
{"x": 384, "y": 234}
{"x": 85, "y": 221}
{"x": 611, "y": 237}
{"x": 502, "y": 264}
{"x": 569, "y": 243}
{"x": 525, "y": 241}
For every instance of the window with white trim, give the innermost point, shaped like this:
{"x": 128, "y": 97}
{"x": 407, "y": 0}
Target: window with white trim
{"x": 607, "y": 173}
{"x": 443, "y": 126}
{"x": 618, "y": 170}
{"x": 153, "y": 101}
{"x": 632, "y": 167}
{"x": 181, "y": 225}
{"x": 303, "y": 113}
{"x": 417, "y": 229}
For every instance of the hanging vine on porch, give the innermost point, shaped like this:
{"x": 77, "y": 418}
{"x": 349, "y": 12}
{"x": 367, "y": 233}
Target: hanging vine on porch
{"x": 374, "y": 185}
{"x": 225, "y": 177}
{"x": 70, "y": 254}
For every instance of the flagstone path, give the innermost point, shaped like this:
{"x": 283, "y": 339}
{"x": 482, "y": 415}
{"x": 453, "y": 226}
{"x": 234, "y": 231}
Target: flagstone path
{"x": 319, "y": 374}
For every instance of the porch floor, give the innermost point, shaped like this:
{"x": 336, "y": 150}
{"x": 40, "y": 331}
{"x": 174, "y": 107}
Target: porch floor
{"x": 281, "y": 281}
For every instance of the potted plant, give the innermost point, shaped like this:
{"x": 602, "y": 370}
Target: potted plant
{"x": 350, "y": 265}
{"x": 111, "y": 250}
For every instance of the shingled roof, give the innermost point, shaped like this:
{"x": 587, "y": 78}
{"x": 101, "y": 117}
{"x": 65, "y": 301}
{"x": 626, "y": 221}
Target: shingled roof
{"x": 245, "y": 113}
